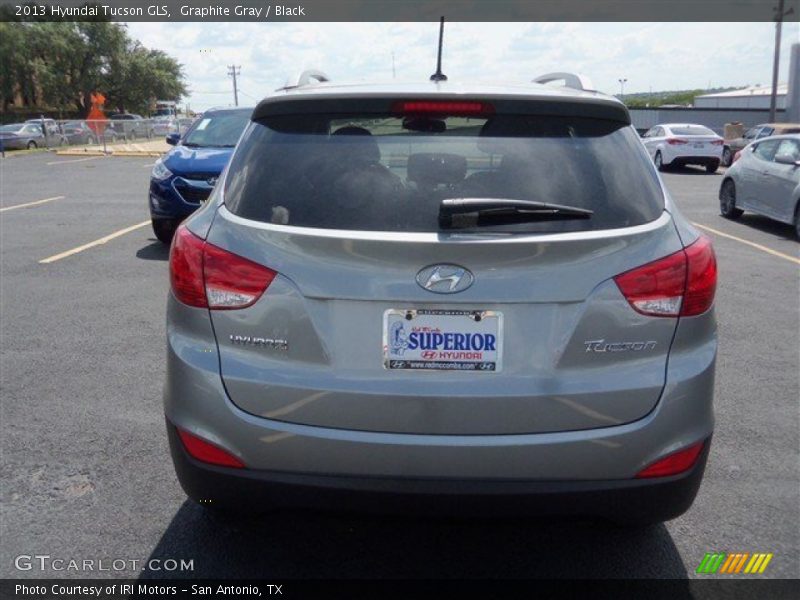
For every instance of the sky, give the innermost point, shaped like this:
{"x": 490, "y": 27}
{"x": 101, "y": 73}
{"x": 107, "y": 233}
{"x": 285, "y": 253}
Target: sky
{"x": 651, "y": 56}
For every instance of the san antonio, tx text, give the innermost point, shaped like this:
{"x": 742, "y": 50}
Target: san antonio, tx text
{"x": 58, "y": 589}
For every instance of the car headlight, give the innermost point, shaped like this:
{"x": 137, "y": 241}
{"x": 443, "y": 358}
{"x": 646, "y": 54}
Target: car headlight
{"x": 160, "y": 172}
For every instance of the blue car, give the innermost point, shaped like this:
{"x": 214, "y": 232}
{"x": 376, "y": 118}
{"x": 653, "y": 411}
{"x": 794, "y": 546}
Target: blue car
{"x": 183, "y": 178}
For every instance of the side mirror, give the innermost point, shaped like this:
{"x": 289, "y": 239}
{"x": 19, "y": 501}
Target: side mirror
{"x": 173, "y": 139}
{"x": 787, "y": 159}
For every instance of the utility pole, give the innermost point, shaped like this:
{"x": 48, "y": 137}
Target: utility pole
{"x": 779, "y": 14}
{"x": 622, "y": 88}
{"x": 233, "y": 71}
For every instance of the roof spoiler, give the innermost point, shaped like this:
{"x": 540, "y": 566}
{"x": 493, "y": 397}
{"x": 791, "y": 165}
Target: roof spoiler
{"x": 305, "y": 78}
{"x": 575, "y": 81}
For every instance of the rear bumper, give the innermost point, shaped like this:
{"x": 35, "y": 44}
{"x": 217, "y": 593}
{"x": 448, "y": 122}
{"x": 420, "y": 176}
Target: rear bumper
{"x": 632, "y": 500}
{"x": 696, "y": 160}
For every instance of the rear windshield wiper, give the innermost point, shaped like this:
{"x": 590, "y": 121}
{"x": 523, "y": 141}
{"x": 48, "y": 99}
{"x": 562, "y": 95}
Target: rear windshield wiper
{"x": 458, "y": 213}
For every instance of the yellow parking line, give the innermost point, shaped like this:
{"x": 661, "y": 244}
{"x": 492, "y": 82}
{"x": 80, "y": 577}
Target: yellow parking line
{"x": 34, "y": 203}
{"x": 63, "y": 162}
{"x": 99, "y": 242}
{"x": 749, "y": 243}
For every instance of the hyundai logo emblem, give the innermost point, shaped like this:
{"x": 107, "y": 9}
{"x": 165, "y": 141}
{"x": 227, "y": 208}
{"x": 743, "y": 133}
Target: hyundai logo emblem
{"x": 445, "y": 278}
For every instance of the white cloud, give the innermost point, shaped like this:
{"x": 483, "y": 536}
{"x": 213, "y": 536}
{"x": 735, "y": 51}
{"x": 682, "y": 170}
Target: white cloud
{"x": 657, "y": 56}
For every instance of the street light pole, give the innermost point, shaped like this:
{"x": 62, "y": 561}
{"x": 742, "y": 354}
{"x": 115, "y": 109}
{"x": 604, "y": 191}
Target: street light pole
{"x": 233, "y": 71}
{"x": 779, "y": 14}
{"x": 622, "y": 88}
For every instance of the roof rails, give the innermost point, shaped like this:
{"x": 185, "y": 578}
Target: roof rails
{"x": 571, "y": 80}
{"x": 305, "y": 79}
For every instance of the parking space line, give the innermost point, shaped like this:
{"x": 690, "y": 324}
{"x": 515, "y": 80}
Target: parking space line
{"x": 98, "y": 242}
{"x": 34, "y": 203}
{"x": 749, "y": 243}
{"x": 64, "y": 162}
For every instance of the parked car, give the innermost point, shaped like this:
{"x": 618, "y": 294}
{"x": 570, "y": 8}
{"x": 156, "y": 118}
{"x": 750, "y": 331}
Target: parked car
{"x": 765, "y": 180}
{"x": 18, "y": 136}
{"x": 184, "y": 177}
{"x": 731, "y": 147}
{"x": 78, "y": 132}
{"x": 131, "y": 126}
{"x": 441, "y": 296}
{"x": 680, "y": 144}
{"x": 55, "y": 137}
{"x": 163, "y": 126}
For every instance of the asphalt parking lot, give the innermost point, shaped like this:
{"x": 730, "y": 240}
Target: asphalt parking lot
{"x": 86, "y": 473}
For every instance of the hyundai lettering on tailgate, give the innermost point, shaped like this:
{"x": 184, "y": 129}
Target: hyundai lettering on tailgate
{"x": 442, "y": 340}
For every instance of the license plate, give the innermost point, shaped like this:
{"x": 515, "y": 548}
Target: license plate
{"x": 442, "y": 340}
{"x": 699, "y": 145}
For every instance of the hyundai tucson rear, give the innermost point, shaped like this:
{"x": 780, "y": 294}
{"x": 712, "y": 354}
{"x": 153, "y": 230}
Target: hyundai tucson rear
{"x": 441, "y": 296}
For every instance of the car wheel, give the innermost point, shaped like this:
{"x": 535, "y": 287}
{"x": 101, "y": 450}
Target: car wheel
{"x": 32, "y": 145}
{"x": 797, "y": 223}
{"x": 711, "y": 168}
{"x": 164, "y": 229}
{"x": 659, "y": 162}
{"x": 727, "y": 157}
{"x": 727, "y": 201}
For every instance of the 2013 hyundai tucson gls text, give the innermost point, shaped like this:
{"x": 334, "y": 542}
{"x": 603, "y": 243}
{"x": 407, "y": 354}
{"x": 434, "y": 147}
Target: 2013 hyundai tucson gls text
{"x": 441, "y": 296}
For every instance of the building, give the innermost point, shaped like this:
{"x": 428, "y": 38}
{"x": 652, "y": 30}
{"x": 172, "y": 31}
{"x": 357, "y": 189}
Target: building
{"x": 750, "y": 97}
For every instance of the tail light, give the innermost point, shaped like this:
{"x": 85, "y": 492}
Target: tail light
{"x": 206, "y": 452}
{"x": 456, "y": 107}
{"x": 717, "y": 142}
{"x": 206, "y": 276}
{"x": 673, "y": 464}
{"x": 676, "y": 141}
{"x": 681, "y": 284}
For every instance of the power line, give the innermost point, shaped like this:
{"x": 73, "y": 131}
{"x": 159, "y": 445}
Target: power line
{"x": 233, "y": 71}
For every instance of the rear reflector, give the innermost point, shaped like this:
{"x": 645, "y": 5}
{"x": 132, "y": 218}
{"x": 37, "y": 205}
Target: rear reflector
{"x": 456, "y": 108}
{"x": 207, "y": 452}
{"x": 675, "y": 463}
{"x": 204, "y": 275}
{"x": 681, "y": 284}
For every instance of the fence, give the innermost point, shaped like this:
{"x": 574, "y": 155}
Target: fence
{"x": 713, "y": 118}
{"x": 97, "y": 134}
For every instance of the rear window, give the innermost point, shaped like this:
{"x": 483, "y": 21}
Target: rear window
{"x": 391, "y": 173}
{"x": 692, "y": 130}
{"x": 221, "y": 130}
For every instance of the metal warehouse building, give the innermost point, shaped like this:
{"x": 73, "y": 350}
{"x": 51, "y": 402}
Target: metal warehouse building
{"x": 751, "y": 97}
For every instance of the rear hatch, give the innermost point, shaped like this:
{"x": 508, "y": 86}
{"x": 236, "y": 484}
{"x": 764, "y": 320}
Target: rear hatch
{"x": 386, "y": 314}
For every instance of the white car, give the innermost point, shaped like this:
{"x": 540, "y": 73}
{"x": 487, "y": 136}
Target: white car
{"x": 765, "y": 180}
{"x": 680, "y": 144}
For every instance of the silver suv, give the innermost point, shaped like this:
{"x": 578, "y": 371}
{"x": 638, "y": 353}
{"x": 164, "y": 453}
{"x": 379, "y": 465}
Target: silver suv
{"x": 441, "y": 296}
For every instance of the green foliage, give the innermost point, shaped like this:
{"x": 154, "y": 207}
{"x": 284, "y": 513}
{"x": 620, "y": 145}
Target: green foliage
{"x": 58, "y": 65}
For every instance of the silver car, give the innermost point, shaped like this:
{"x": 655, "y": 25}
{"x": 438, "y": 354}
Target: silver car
{"x": 765, "y": 180}
{"x": 22, "y": 136}
{"x": 441, "y": 297}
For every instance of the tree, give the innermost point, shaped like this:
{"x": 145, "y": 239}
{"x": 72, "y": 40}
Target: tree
{"x": 59, "y": 64}
{"x": 141, "y": 75}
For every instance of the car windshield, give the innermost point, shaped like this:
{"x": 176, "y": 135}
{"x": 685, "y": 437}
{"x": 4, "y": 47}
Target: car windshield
{"x": 691, "y": 130}
{"x": 12, "y": 128}
{"x": 392, "y": 173}
{"x": 218, "y": 130}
